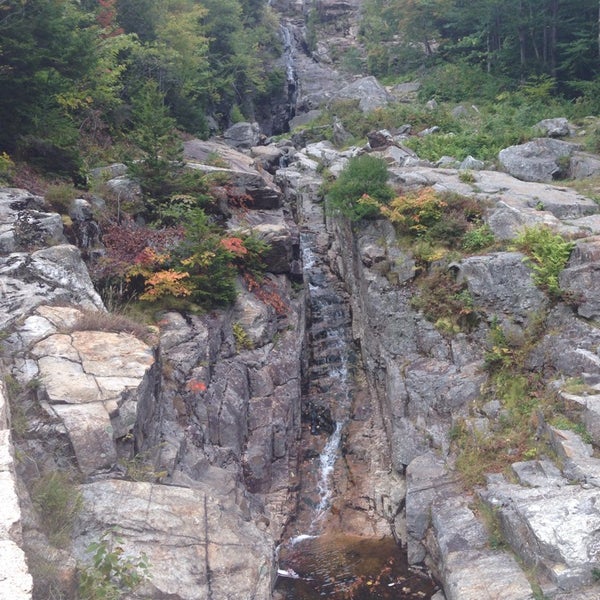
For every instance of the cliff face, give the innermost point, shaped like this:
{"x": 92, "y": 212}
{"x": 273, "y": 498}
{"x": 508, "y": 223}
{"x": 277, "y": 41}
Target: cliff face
{"x": 200, "y": 440}
{"x": 188, "y": 441}
{"x": 182, "y": 438}
{"x": 429, "y": 383}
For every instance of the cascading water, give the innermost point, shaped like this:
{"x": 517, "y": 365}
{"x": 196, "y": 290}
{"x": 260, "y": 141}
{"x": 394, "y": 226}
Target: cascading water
{"x": 327, "y": 463}
{"x": 291, "y": 79}
{"x": 319, "y": 557}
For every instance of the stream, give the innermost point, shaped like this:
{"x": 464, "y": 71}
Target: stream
{"x": 335, "y": 547}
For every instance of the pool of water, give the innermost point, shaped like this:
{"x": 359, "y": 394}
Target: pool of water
{"x": 342, "y": 567}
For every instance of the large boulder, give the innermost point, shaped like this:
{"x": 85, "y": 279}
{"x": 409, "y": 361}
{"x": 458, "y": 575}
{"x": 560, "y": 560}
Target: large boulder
{"x": 242, "y": 135}
{"x": 55, "y": 274}
{"x": 24, "y": 222}
{"x": 200, "y": 543}
{"x": 541, "y": 159}
{"x": 92, "y": 381}
{"x": 241, "y": 172}
{"x": 368, "y": 91}
{"x": 469, "y": 568}
{"x": 555, "y": 128}
{"x": 584, "y": 165}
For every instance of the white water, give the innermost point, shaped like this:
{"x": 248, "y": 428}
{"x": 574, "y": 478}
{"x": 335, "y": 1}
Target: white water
{"x": 288, "y": 53}
{"x": 327, "y": 464}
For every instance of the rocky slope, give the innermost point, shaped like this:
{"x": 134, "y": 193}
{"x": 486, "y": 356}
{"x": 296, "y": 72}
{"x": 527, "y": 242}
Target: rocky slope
{"x": 189, "y": 443}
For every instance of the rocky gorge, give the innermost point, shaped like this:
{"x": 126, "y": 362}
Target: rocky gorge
{"x": 199, "y": 442}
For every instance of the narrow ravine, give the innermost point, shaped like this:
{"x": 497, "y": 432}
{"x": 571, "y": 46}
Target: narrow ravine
{"x": 338, "y": 544}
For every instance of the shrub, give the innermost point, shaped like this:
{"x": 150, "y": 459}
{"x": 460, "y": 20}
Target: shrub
{"x": 60, "y": 196}
{"x": 7, "y": 167}
{"x": 439, "y": 222}
{"x": 58, "y": 503}
{"x": 112, "y": 573}
{"x": 466, "y": 177}
{"x": 415, "y": 212}
{"x": 445, "y": 302}
{"x": 242, "y": 339}
{"x": 361, "y": 188}
{"x": 478, "y": 238}
{"x": 548, "y": 253}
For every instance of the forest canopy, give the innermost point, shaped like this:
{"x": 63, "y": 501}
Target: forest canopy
{"x": 71, "y": 71}
{"x": 513, "y": 40}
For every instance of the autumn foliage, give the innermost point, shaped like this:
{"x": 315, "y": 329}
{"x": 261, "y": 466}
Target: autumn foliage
{"x": 194, "y": 262}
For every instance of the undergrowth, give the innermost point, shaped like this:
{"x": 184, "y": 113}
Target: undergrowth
{"x": 58, "y": 502}
{"x": 548, "y": 253}
{"x": 113, "y": 573}
{"x": 526, "y": 402}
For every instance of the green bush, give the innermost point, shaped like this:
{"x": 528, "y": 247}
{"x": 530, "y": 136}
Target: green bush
{"x": 548, "y": 253}
{"x": 7, "y": 167}
{"x": 478, "y": 238}
{"x": 440, "y": 221}
{"x": 112, "y": 573}
{"x": 445, "y": 302}
{"x": 58, "y": 502}
{"x": 457, "y": 82}
{"x": 364, "y": 179}
{"x": 60, "y": 196}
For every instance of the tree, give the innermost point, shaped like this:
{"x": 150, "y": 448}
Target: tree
{"x": 155, "y": 136}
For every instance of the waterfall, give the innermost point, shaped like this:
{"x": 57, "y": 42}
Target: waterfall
{"x": 291, "y": 78}
{"x": 327, "y": 463}
{"x": 321, "y": 556}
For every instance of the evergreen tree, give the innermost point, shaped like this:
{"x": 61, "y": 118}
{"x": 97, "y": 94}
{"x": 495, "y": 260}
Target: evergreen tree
{"x": 155, "y": 135}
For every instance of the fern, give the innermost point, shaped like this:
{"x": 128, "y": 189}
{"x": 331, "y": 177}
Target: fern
{"x": 548, "y": 253}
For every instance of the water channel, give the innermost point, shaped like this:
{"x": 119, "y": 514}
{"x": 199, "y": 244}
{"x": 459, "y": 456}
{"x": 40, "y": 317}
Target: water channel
{"x": 322, "y": 555}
